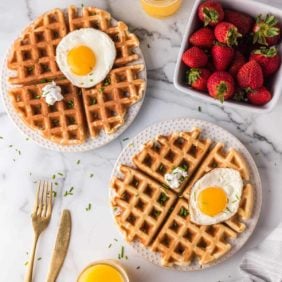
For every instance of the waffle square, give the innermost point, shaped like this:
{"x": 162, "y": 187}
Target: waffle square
{"x": 141, "y": 205}
{"x": 231, "y": 159}
{"x": 106, "y": 104}
{"x": 162, "y": 155}
{"x": 180, "y": 242}
{"x": 33, "y": 55}
{"x": 124, "y": 40}
{"x": 62, "y": 123}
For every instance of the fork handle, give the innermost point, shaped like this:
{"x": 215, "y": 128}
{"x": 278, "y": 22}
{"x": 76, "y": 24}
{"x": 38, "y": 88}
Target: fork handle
{"x": 28, "y": 277}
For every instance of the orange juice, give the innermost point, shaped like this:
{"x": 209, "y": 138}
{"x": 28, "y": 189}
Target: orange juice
{"x": 160, "y": 8}
{"x": 104, "y": 271}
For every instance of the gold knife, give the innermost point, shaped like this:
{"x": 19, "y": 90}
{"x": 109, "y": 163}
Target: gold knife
{"x": 61, "y": 246}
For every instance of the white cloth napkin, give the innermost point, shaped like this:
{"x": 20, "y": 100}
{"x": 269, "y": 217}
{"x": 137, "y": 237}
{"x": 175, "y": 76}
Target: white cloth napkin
{"x": 264, "y": 262}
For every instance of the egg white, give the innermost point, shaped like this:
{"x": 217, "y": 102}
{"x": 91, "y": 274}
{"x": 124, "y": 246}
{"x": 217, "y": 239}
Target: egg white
{"x": 102, "y": 46}
{"x": 230, "y": 181}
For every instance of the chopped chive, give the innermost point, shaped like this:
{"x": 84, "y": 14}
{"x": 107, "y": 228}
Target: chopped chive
{"x": 101, "y": 90}
{"x": 88, "y": 208}
{"x": 200, "y": 109}
{"x": 122, "y": 252}
{"x": 1, "y": 137}
{"x": 115, "y": 239}
{"x": 125, "y": 139}
{"x": 60, "y": 174}
{"x": 138, "y": 267}
{"x": 26, "y": 263}
{"x": 40, "y": 258}
{"x": 110, "y": 245}
{"x": 54, "y": 193}
{"x": 91, "y": 175}
{"x": 78, "y": 162}
{"x": 53, "y": 176}
{"x": 69, "y": 193}
{"x": 56, "y": 183}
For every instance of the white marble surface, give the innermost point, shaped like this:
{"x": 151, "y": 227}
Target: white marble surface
{"x": 94, "y": 230}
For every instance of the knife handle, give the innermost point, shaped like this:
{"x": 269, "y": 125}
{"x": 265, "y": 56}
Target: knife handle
{"x": 59, "y": 253}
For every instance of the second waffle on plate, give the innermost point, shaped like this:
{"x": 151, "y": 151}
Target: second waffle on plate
{"x": 182, "y": 198}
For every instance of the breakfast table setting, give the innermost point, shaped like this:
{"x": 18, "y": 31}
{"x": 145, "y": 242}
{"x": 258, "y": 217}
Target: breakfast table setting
{"x": 140, "y": 140}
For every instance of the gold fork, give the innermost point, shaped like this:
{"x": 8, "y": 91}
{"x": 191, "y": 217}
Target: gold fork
{"x": 40, "y": 218}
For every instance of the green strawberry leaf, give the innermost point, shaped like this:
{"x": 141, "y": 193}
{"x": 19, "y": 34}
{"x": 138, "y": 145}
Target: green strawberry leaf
{"x": 211, "y": 15}
{"x": 193, "y": 75}
{"x": 232, "y": 36}
{"x": 221, "y": 90}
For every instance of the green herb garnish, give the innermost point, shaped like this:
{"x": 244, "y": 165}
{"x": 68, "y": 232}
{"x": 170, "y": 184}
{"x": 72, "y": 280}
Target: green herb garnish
{"x": 88, "y": 208}
{"x": 183, "y": 212}
{"x": 69, "y": 193}
{"x": 163, "y": 198}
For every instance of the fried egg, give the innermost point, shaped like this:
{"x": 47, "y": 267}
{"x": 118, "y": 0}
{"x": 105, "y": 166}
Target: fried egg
{"x": 216, "y": 196}
{"x": 86, "y": 56}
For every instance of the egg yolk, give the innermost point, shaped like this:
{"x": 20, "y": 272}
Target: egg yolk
{"x": 212, "y": 201}
{"x": 81, "y": 60}
{"x": 101, "y": 273}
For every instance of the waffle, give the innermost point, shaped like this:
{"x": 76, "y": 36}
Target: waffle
{"x": 33, "y": 55}
{"x": 124, "y": 40}
{"x": 161, "y": 156}
{"x": 181, "y": 242}
{"x": 106, "y": 104}
{"x": 33, "y": 62}
{"x": 142, "y": 205}
{"x": 232, "y": 159}
{"x": 62, "y": 123}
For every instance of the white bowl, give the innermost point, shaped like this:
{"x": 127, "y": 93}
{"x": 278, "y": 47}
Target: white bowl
{"x": 252, "y": 8}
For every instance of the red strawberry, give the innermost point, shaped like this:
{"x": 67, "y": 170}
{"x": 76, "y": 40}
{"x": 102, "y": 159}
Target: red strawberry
{"x": 211, "y": 12}
{"x": 204, "y": 37}
{"x": 222, "y": 56}
{"x": 227, "y": 33}
{"x": 250, "y": 75}
{"x": 259, "y": 97}
{"x": 195, "y": 58}
{"x": 221, "y": 85}
{"x": 243, "y": 22}
{"x": 198, "y": 78}
{"x": 266, "y": 31}
{"x": 238, "y": 61}
{"x": 268, "y": 58}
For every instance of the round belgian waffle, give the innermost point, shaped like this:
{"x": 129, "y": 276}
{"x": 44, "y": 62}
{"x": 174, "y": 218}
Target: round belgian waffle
{"x": 76, "y": 123}
{"x": 158, "y": 227}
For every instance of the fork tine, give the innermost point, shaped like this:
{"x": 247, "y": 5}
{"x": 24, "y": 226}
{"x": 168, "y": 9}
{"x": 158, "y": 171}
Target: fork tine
{"x": 49, "y": 199}
{"x": 40, "y": 198}
{"x": 38, "y": 184}
{"x": 44, "y": 199}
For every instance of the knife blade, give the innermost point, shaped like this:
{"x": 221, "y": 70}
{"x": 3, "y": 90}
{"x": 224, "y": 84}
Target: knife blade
{"x": 61, "y": 246}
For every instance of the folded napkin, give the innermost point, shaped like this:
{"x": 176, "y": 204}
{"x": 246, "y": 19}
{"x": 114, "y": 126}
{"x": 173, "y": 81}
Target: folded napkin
{"x": 264, "y": 262}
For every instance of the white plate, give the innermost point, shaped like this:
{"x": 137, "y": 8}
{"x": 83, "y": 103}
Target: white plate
{"x": 90, "y": 144}
{"x": 215, "y": 133}
{"x": 253, "y": 8}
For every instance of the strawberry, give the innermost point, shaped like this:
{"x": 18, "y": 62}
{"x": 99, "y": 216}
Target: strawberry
{"x": 266, "y": 31}
{"x": 238, "y": 61}
{"x": 243, "y": 22}
{"x": 195, "y": 58}
{"x": 204, "y": 38}
{"x": 221, "y": 85}
{"x": 222, "y": 56}
{"x": 227, "y": 33}
{"x": 198, "y": 78}
{"x": 259, "y": 96}
{"x": 211, "y": 12}
{"x": 250, "y": 75}
{"x": 268, "y": 58}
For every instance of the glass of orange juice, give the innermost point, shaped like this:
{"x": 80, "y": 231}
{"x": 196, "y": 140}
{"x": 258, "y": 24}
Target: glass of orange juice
{"x": 161, "y": 8}
{"x": 103, "y": 271}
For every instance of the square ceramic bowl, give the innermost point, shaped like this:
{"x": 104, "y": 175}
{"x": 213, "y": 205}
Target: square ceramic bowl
{"x": 252, "y": 8}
